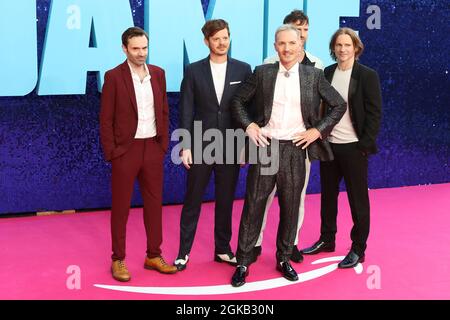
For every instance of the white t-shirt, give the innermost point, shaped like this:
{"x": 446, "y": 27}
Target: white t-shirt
{"x": 343, "y": 132}
{"x": 219, "y": 71}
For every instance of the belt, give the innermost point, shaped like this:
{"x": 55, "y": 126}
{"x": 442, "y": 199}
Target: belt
{"x": 281, "y": 141}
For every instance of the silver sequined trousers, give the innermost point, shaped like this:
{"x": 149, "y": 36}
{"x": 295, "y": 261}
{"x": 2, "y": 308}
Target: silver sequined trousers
{"x": 286, "y": 170}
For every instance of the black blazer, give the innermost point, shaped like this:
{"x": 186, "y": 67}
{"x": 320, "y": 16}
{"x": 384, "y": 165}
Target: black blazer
{"x": 260, "y": 88}
{"x": 198, "y": 100}
{"x": 364, "y": 103}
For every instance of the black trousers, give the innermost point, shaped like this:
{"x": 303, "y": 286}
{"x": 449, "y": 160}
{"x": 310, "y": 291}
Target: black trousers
{"x": 226, "y": 177}
{"x": 289, "y": 179}
{"x": 349, "y": 163}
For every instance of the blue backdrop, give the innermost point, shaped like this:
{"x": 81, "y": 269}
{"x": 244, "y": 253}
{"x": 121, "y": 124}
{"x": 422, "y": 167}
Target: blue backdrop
{"x": 50, "y": 156}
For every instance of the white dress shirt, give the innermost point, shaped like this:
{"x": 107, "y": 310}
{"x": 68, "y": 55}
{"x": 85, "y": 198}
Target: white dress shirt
{"x": 286, "y": 120}
{"x": 145, "y": 104}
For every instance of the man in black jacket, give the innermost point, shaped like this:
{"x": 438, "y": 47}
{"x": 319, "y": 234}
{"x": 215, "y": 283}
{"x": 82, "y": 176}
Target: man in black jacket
{"x": 285, "y": 99}
{"x": 352, "y": 140}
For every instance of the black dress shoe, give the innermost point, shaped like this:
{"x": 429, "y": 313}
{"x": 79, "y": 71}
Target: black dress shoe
{"x": 351, "y": 260}
{"x": 256, "y": 252}
{"x": 319, "y": 246}
{"x": 225, "y": 257}
{"x": 239, "y": 275}
{"x": 288, "y": 272}
{"x": 181, "y": 262}
{"x": 296, "y": 255}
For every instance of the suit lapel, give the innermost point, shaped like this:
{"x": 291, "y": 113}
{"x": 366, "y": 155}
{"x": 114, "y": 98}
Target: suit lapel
{"x": 157, "y": 98}
{"x": 227, "y": 81}
{"x": 155, "y": 85}
{"x": 353, "y": 83}
{"x": 330, "y": 72}
{"x": 209, "y": 79}
{"x": 126, "y": 75}
{"x": 306, "y": 91}
{"x": 269, "y": 79}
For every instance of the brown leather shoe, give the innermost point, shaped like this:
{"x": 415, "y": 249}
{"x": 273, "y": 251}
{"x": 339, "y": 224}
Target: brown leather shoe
{"x": 119, "y": 271}
{"x": 158, "y": 264}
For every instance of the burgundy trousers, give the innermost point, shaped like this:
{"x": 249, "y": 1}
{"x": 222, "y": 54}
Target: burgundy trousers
{"x": 144, "y": 161}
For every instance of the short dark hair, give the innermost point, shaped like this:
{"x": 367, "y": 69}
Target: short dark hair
{"x": 296, "y": 15}
{"x": 211, "y": 27}
{"x": 357, "y": 43}
{"x": 131, "y": 33}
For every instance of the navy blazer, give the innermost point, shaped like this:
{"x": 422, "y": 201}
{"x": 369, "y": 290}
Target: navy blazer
{"x": 198, "y": 100}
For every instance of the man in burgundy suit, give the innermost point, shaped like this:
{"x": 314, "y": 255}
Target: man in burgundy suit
{"x": 134, "y": 137}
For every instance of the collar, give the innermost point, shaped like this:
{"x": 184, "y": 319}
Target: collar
{"x": 132, "y": 71}
{"x": 292, "y": 70}
{"x": 306, "y": 61}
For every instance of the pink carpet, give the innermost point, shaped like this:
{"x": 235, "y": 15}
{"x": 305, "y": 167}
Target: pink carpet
{"x": 407, "y": 255}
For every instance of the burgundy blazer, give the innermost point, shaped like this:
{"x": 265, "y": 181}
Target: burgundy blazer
{"x": 119, "y": 115}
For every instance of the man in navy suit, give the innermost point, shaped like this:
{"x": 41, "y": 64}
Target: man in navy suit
{"x": 206, "y": 92}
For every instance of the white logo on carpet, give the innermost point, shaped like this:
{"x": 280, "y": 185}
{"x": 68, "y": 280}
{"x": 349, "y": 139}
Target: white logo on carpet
{"x": 228, "y": 289}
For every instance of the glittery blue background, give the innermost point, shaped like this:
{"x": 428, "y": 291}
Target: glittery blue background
{"x": 51, "y": 157}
